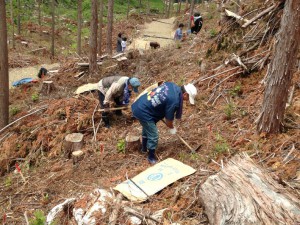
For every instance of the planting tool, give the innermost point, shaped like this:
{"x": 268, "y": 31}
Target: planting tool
{"x": 113, "y": 109}
{"x": 193, "y": 150}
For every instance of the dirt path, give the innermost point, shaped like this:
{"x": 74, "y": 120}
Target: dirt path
{"x": 28, "y": 72}
{"x": 162, "y": 28}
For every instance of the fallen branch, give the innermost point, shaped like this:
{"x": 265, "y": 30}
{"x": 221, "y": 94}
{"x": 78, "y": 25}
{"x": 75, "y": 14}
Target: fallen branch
{"x": 206, "y": 78}
{"x": 139, "y": 215}
{"x": 114, "y": 215}
{"x": 113, "y": 109}
{"x": 4, "y": 128}
{"x": 259, "y": 15}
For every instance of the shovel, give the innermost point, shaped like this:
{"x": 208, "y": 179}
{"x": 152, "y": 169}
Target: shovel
{"x": 193, "y": 150}
{"x": 113, "y": 109}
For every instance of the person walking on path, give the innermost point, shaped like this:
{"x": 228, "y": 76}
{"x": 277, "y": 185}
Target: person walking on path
{"x": 162, "y": 102}
{"x": 178, "y": 36}
{"x": 117, "y": 89}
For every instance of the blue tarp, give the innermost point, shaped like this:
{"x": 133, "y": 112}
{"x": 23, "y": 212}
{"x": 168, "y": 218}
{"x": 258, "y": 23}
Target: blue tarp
{"x": 22, "y": 81}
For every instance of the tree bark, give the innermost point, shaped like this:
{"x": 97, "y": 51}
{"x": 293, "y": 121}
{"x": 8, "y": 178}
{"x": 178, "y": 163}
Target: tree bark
{"x": 133, "y": 143}
{"x": 53, "y": 28}
{"x": 12, "y": 23}
{"x": 79, "y": 24}
{"x": 100, "y": 35}
{"x": 4, "y": 86}
{"x": 93, "y": 38}
{"x": 244, "y": 194}
{"x": 110, "y": 18}
{"x": 39, "y": 12}
{"x": 73, "y": 142}
{"x": 179, "y": 7}
{"x": 169, "y": 8}
{"x": 191, "y": 12}
{"x": 128, "y": 4}
{"x": 280, "y": 72}
{"x": 19, "y": 17}
{"x": 47, "y": 87}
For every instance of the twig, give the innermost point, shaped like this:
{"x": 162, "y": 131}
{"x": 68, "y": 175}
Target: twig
{"x": 218, "y": 84}
{"x": 26, "y": 218}
{"x": 139, "y": 215}
{"x": 290, "y": 152}
{"x": 114, "y": 215}
{"x": 94, "y": 138}
{"x": 203, "y": 79}
{"x": 259, "y": 15}
{"x": 4, "y": 128}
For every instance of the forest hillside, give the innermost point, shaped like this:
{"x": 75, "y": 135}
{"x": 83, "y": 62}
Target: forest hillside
{"x": 241, "y": 176}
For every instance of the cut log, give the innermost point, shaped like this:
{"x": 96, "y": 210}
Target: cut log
{"x": 77, "y": 156}
{"x": 133, "y": 143}
{"x": 73, "y": 142}
{"x": 243, "y": 193}
{"x": 121, "y": 59}
{"x": 87, "y": 64}
{"x": 79, "y": 74}
{"x": 118, "y": 55}
{"x": 47, "y": 87}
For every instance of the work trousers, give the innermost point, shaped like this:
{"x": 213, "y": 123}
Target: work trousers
{"x": 151, "y": 133}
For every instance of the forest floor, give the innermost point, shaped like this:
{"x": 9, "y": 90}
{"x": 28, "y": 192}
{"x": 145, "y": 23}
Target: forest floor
{"x": 222, "y": 120}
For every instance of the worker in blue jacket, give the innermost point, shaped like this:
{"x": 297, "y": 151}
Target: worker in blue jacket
{"x": 165, "y": 101}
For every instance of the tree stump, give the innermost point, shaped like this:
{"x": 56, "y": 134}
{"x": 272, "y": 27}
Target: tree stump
{"x": 133, "y": 143}
{"x": 73, "y": 142}
{"x": 243, "y": 194}
{"x": 77, "y": 156}
{"x": 47, "y": 87}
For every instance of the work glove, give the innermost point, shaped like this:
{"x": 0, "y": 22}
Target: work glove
{"x": 173, "y": 130}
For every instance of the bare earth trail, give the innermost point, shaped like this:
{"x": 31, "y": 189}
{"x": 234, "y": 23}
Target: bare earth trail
{"x": 161, "y": 31}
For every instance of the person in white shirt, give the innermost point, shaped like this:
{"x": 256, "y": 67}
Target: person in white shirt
{"x": 123, "y": 43}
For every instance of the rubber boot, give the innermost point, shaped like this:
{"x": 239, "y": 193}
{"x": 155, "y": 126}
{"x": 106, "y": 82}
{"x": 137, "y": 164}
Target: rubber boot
{"x": 144, "y": 145}
{"x": 106, "y": 120}
{"x": 151, "y": 157}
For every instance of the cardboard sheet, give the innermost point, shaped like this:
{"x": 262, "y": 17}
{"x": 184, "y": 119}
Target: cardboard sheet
{"x": 154, "y": 179}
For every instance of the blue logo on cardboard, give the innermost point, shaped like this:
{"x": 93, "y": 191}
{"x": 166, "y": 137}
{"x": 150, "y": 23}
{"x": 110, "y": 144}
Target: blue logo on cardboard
{"x": 155, "y": 176}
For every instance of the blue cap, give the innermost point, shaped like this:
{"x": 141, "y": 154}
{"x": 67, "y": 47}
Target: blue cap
{"x": 135, "y": 83}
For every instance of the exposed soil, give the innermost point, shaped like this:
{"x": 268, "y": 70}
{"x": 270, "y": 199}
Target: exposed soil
{"x": 223, "y": 121}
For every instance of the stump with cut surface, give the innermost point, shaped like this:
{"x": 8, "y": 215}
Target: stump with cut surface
{"x": 244, "y": 194}
{"x": 47, "y": 87}
{"x": 133, "y": 143}
{"x": 77, "y": 156}
{"x": 73, "y": 142}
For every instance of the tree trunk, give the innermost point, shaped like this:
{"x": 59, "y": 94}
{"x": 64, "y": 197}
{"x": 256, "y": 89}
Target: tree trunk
{"x": 47, "y": 87}
{"x": 191, "y": 12}
{"x": 169, "y": 8}
{"x": 93, "y": 38}
{"x": 73, "y": 142}
{"x": 110, "y": 18}
{"x": 140, "y": 7}
{"x": 53, "y": 28}
{"x": 101, "y": 8}
{"x": 244, "y": 194}
{"x": 148, "y": 8}
{"x": 12, "y": 23}
{"x": 133, "y": 143}
{"x": 128, "y": 4}
{"x": 4, "y": 87}
{"x": 79, "y": 24}
{"x": 19, "y": 17}
{"x": 179, "y": 8}
{"x": 39, "y": 12}
{"x": 280, "y": 72}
